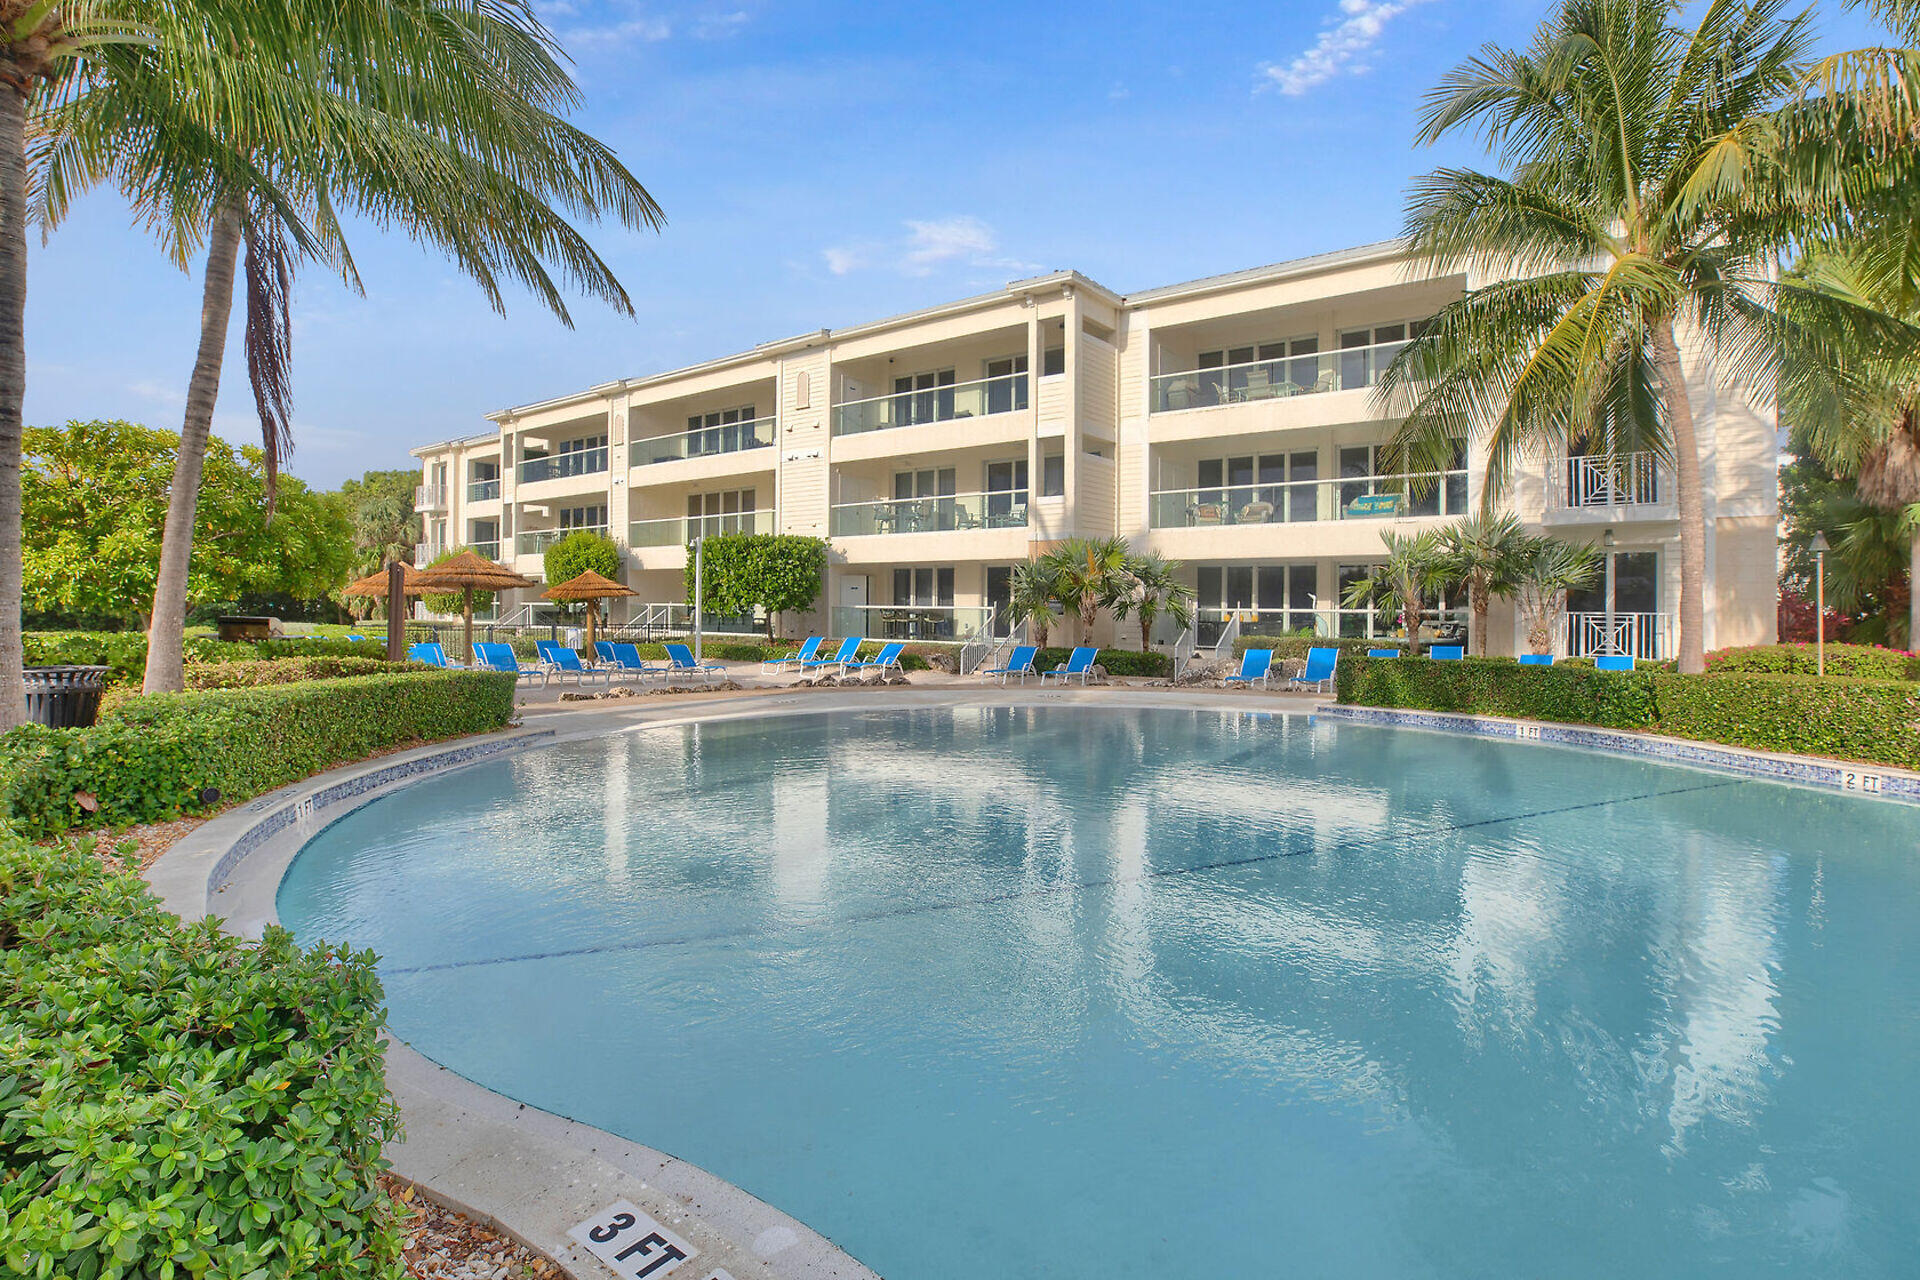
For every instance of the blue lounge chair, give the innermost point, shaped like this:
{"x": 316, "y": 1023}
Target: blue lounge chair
{"x": 1614, "y": 662}
{"x": 352, "y": 636}
{"x": 1536, "y": 659}
{"x": 1019, "y": 663}
{"x": 1447, "y": 652}
{"x": 563, "y": 661}
{"x": 840, "y": 658}
{"x": 888, "y": 659}
{"x": 1255, "y": 664}
{"x": 1319, "y": 672}
{"x": 500, "y": 657}
{"x": 1383, "y": 653}
{"x": 805, "y": 653}
{"x": 433, "y": 654}
{"x": 627, "y": 661}
{"x": 1079, "y": 663}
{"x": 680, "y": 663}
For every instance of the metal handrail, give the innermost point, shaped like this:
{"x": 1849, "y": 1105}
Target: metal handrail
{"x": 1223, "y": 647}
{"x": 1328, "y": 375}
{"x": 749, "y": 428}
{"x": 1183, "y": 650}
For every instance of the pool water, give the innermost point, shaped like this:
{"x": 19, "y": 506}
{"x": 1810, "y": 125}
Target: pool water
{"x": 1089, "y": 993}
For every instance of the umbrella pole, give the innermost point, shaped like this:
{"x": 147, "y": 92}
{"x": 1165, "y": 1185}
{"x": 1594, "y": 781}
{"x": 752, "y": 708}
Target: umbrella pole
{"x": 593, "y": 616}
{"x": 466, "y": 617}
{"x": 396, "y": 618}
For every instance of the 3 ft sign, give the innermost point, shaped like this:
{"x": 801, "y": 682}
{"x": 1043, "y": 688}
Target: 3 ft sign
{"x": 631, "y": 1243}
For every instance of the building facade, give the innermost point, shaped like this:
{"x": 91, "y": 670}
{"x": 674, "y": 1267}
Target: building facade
{"x": 1229, "y": 423}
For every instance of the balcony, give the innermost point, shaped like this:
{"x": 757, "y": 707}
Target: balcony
{"x": 1599, "y": 482}
{"x": 535, "y": 542}
{"x": 484, "y": 490}
{"x": 430, "y": 497}
{"x": 1432, "y": 493}
{"x": 559, "y": 466}
{"x": 704, "y": 442}
{"x": 1646, "y": 636}
{"x": 1347, "y": 369}
{"x": 485, "y": 550}
{"x": 425, "y": 553}
{"x": 911, "y": 621}
{"x": 977, "y": 399}
{"x": 948, "y": 513}
{"x": 680, "y": 531}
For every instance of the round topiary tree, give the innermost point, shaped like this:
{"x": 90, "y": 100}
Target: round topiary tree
{"x": 450, "y": 602}
{"x": 577, "y": 553}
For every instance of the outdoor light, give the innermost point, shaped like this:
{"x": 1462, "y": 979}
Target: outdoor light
{"x": 1820, "y": 549}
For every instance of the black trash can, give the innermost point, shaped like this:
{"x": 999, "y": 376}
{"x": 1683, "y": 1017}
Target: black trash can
{"x": 64, "y": 697}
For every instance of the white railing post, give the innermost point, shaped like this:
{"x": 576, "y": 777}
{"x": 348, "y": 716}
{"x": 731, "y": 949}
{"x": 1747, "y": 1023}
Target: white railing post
{"x": 1182, "y": 653}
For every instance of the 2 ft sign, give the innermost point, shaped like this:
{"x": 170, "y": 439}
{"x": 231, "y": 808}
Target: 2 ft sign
{"x": 631, "y": 1243}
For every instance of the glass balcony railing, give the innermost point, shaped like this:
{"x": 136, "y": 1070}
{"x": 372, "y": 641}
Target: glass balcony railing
{"x": 1434, "y": 493}
{"x": 485, "y": 550}
{"x": 947, "y": 514}
{"x": 578, "y": 462}
{"x": 732, "y": 437}
{"x": 911, "y": 621}
{"x": 429, "y": 497}
{"x": 1341, "y": 370}
{"x": 483, "y": 490}
{"x": 534, "y": 542}
{"x": 680, "y": 531}
{"x": 977, "y": 399}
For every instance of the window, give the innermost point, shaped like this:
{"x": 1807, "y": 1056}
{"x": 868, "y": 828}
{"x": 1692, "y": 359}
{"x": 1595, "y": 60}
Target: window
{"x": 1261, "y": 370}
{"x": 583, "y": 517}
{"x": 923, "y": 397}
{"x": 729, "y": 511}
{"x": 1007, "y": 384}
{"x": 1053, "y": 475}
{"x": 1269, "y": 599}
{"x": 1053, "y": 362}
{"x": 720, "y": 431}
{"x": 1007, "y": 492}
{"x": 583, "y": 444}
{"x": 925, "y": 586}
{"x": 1259, "y": 488}
{"x": 1366, "y": 353}
{"x": 1361, "y": 474}
{"x": 489, "y": 470}
{"x": 929, "y": 483}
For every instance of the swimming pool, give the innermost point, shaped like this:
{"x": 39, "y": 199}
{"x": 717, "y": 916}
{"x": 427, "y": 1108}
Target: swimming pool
{"x": 1092, "y": 992}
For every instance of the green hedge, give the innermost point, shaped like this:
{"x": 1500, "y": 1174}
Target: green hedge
{"x": 241, "y": 675}
{"x": 1118, "y": 662}
{"x": 151, "y": 756}
{"x": 1840, "y": 717}
{"x": 1867, "y": 661}
{"x": 1297, "y": 646}
{"x": 124, "y": 653}
{"x": 176, "y": 1101}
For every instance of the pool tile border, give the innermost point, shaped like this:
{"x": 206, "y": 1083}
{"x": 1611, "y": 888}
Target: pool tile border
{"x": 1867, "y": 781}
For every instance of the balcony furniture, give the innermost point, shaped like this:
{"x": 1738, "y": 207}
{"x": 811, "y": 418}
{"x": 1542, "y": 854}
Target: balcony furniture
{"x": 1256, "y": 513}
{"x": 1327, "y": 381}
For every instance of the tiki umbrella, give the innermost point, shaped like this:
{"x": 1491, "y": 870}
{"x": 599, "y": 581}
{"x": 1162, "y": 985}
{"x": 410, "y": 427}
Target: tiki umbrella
{"x": 468, "y": 573}
{"x": 593, "y": 588}
{"x": 381, "y": 585}
{"x": 375, "y": 584}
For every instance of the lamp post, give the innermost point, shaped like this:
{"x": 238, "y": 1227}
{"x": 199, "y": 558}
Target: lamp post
{"x": 1820, "y": 549}
{"x": 1612, "y": 643}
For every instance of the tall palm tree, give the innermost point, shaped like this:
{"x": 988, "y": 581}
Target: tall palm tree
{"x": 1644, "y": 195}
{"x": 1550, "y": 568}
{"x": 255, "y": 125}
{"x": 1484, "y": 552}
{"x": 1090, "y": 575}
{"x": 1032, "y": 593}
{"x": 1153, "y": 588}
{"x": 1414, "y": 574}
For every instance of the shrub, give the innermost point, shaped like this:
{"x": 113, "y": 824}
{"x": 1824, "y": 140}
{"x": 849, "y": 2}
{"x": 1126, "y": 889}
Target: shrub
{"x": 124, "y": 653}
{"x": 153, "y": 755}
{"x": 1297, "y": 646}
{"x": 240, "y": 675}
{"x": 1118, "y": 662}
{"x": 1499, "y": 687}
{"x": 174, "y": 1100}
{"x": 1866, "y": 661}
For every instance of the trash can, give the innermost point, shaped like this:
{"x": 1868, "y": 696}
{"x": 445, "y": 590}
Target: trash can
{"x": 64, "y": 697}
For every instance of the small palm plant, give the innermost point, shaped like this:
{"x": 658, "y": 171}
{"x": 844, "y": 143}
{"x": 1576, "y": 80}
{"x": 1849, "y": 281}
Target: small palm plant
{"x": 1414, "y": 573}
{"x": 1090, "y": 574}
{"x": 1549, "y": 569}
{"x": 1032, "y": 594}
{"x": 1155, "y": 588}
{"x": 1485, "y": 553}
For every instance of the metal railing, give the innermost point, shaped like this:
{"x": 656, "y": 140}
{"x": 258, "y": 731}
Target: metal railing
{"x": 1212, "y": 626}
{"x": 1429, "y": 493}
{"x": 533, "y": 542}
{"x": 1223, "y": 647}
{"x": 1303, "y": 375}
{"x": 483, "y": 490}
{"x": 1183, "y": 650}
{"x": 977, "y": 399}
{"x": 1648, "y": 636}
{"x": 1603, "y": 480}
{"x": 992, "y": 651}
{"x": 485, "y": 550}
{"x": 424, "y": 553}
{"x": 703, "y": 442}
{"x": 912, "y": 621}
{"x": 948, "y": 513}
{"x": 651, "y": 620}
{"x": 430, "y": 497}
{"x": 558, "y": 466}
{"x": 680, "y": 531}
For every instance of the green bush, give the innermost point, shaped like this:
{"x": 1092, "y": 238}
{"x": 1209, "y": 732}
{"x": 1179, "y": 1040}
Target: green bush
{"x": 152, "y": 756}
{"x": 177, "y": 1101}
{"x": 1297, "y": 646}
{"x": 1499, "y": 687}
{"x": 241, "y": 675}
{"x": 1866, "y": 661}
{"x": 1118, "y": 662}
{"x": 124, "y": 653}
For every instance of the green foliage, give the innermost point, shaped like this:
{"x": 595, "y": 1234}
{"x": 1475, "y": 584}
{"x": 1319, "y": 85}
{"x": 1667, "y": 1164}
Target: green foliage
{"x": 1153, "y": 588}
{"x": 1499, "y": 687}
{"x": 150, "y": 756}
{"x": 178, "y": 1101}
{"x": 1871, "y": 544}
{"x": 1034, "y": 595}
{"x": 1866, "y": 661}
{"x": 243, "y": 675}
{"x": 124, "y": 653}
{"x": 385, "y": 528}
{"x": 579, "y": 552}
{"x": 1090, "y": 574}
{"x": 1416, "y": 570}
{"x": 777, "y": 572}
{"x": 1118, "y": 662}
{"x": 451, "y": 602}
{"x": 1297, "y": 646}
{"x": 94, "y": 498}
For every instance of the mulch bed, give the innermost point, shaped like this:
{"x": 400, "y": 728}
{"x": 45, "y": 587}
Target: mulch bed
{"x": 443, "y": 1245}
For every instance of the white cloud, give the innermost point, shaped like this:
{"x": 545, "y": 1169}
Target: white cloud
{"x": 960, "y": 240}
{"x": 718, "y": 26}
{"x": 618, "y": 35}
{"x": 158, "y": 393}
{"x": 843, "y": 258}
{"x": 1341, "y": 45}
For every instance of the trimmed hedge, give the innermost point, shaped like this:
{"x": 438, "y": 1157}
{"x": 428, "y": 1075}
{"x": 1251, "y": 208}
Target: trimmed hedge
{"x": 241, "y": 675}
{"x": 1867, "y": 661}
{"x": 152, "y": 756}
{"x": 1839, "y": 717}
{"x": 176, "y": 1101}
{"x": 1297, "y": 646}
{"x": 1118, "y": 662}
{"x": 124, "y": 653}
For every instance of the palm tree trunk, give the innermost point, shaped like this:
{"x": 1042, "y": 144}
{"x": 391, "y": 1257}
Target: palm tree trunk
{"x": 1693, "y": 527}
{"x": 166, "y": 636}
{"x": 1481, "y": 599}
{"x": 13, "y": 391}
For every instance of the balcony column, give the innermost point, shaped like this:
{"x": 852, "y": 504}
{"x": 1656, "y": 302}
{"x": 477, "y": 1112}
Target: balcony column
{"x": 619, "y": 503}
{"x": 1070, "y": 506}
{"x": 1036, "y": 357}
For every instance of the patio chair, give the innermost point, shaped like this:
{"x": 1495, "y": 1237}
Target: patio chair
{"x": 1447, "y": 652}
{"x": 355, "y": 636}
{"x": 433, "y": 654}
{"x": 1079, "y": 663}
{"x": 1019, "y": 663}
{"x": 626, "y": 660}
{"x": 1536, "y": 659}
{"x": 840, "y": 657}
{"x": 805, "y": 653}
{"x": 1614, "y": 662}
{"x": 1383, "y": 653}
{"x": 1255, "y": 664}
{"x": 1319, "y": 672}
{"x": 562, "y": 661}
{"x": 500, "y": 657}
{"x": 680, "y": 663}
{"x": 888, "y": 659}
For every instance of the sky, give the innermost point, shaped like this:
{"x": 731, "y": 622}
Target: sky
{"x": 819, "y": 165}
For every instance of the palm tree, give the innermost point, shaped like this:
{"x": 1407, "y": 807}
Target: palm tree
{"x": 1414, "y": 573}
{"x": 1483, "y": 551}
{"x": 1153, "y": 588}
{"x": 438, "y": 116}
{"x": 1548, "y": 570}
{"x": 1090, "y": 574}
{"x": 1033, "y": 590}
{"x": 1643, "y": 196}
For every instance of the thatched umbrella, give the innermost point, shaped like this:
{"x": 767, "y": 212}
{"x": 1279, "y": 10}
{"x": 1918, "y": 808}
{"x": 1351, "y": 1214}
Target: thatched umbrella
{"x": 468, "y": 573}
{"x": 375, "y": 584}
{"x": 593, "y": 588}
{"x": 382, "y": 585}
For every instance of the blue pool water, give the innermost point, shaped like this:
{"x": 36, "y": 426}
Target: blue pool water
{"x": 1091, "y": 993}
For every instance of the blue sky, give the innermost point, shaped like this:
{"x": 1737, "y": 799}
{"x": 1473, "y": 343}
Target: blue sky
{"x": 820, "y": 164}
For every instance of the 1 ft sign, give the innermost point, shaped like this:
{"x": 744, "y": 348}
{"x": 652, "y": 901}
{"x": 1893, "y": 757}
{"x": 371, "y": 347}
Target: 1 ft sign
{"x": 631, "y": 1243}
